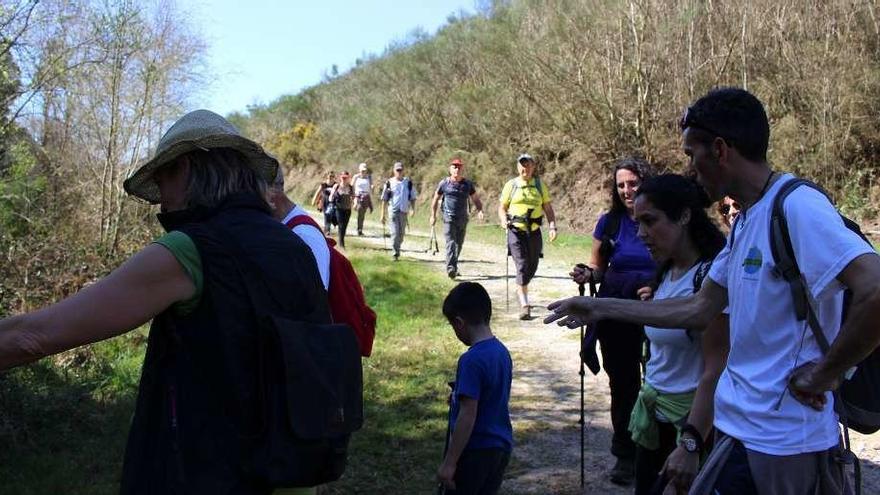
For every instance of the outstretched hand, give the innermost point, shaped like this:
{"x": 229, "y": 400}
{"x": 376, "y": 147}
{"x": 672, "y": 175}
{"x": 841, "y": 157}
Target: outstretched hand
{"x": 572, "y": 312}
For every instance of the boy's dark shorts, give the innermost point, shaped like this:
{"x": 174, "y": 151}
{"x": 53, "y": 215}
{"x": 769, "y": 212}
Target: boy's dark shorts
{"x": 480, "y": 472}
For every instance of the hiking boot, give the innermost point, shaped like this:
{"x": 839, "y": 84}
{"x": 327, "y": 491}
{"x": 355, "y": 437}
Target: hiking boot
{"x": 623, "y": 472}
{"x": 360, "y": 233}
{"x": 526, "y": 313}
{"x": 452, "y": 274}
{"x": 396, "y": 257}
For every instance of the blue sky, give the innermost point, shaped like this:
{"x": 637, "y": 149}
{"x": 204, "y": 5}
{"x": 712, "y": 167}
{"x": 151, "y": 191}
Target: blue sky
{"x": 262, "y": 49}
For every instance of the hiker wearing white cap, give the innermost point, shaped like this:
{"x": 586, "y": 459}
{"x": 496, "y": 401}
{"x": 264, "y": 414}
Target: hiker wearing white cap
{"x": 198, "y": 408}
{"x": 399, "y": 194}
{"x": 363, "y": 188}
{"x": 455, "y": 192}
{"x": 523, "y": 205}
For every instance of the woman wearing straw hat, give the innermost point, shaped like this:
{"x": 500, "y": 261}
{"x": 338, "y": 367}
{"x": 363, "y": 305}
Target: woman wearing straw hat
{"x": 185, "y": 435}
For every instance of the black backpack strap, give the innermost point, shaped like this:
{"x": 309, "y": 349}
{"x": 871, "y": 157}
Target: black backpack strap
{"x": 701, "y": 274}
{"x": 787, "y": 268}
{"x": 783, "y": 254}
{"x": 609, "y": 234}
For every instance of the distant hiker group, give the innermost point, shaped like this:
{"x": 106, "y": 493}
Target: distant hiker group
{"x": 731, "y": 361}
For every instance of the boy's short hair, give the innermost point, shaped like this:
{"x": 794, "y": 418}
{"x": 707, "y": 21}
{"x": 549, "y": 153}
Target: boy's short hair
{"x": 734, "y": 115}
{"x": 470, "y": 302}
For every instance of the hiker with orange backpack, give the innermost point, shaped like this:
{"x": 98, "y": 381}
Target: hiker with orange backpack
{"x": 775, "y": 414}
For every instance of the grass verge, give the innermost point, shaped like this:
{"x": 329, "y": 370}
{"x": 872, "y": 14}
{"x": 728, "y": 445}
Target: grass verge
{"x": 64, "y": 421}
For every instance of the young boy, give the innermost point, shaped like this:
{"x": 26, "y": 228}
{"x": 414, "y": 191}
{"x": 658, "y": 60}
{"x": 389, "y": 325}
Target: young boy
{"x": 482, "y": 436}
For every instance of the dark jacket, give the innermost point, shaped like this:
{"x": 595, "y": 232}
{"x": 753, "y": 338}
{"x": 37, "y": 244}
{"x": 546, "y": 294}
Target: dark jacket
{"x": 199, "y": 390}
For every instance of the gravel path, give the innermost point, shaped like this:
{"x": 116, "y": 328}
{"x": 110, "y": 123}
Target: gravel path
{"x": 545, "y": 398}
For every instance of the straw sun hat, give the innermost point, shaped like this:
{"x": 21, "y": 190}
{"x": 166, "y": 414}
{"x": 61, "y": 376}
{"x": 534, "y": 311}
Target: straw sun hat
{"x": 198, "y": 130}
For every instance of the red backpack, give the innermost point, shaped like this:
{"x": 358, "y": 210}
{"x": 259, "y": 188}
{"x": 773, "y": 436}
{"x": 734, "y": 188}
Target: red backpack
{"x": 345, "y": 294}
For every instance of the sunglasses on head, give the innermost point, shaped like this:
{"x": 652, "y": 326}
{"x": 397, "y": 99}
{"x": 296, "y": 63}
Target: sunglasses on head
{"x": 690, "y": 119}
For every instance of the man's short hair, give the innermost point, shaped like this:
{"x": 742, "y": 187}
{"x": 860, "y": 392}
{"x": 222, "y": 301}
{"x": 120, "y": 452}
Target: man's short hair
{"x": 470, "y": 302}
{"x": 734, "y": 115}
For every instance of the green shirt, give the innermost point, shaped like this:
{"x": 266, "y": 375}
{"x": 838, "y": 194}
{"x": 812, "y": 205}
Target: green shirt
{"x": 184, "y": 251}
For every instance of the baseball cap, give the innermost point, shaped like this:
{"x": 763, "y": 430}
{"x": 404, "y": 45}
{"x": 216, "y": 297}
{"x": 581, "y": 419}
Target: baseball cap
{"x": 398, "y": 166}
{"x": 456, "y": 161}
{"x": 362, "y": 167}
{"x": 524, "y": 157}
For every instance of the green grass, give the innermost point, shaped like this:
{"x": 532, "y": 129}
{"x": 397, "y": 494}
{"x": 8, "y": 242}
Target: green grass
{"x": 64, "y": 421}
{"x": 405, "y": 390}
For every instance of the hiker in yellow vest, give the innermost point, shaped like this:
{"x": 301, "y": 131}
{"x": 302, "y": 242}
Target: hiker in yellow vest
{"x": 524, "y": 203}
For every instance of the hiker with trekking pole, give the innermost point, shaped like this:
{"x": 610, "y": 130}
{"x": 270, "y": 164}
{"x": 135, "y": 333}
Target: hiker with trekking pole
{"x": 481, "y": 439}
{"x": 621, "y": 264}
{"x": 524, "y": 202}
{"x": 454, "y": 192}
{"x": 798, "y": 362}
{"x": 673, "y": 413}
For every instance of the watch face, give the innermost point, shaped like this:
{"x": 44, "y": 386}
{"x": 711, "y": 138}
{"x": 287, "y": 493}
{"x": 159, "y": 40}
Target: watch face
{"x": 689, "y": 444}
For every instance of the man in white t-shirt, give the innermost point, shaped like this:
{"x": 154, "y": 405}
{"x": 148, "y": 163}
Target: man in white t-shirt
{"x": 285, "y": 210}
{"x": 399, "y": 194}
{"x": 774, "y": 413}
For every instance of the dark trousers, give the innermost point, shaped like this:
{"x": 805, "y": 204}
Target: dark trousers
{"x": 454, "y": 231}
{"x": 360, "y": 219}
{"x": 621, "y": 345}
{"x": 342, "y": 218}
{"x": 525, "y": 249}
{"x": 649, "y": 462}
{"x": 480, "y": 472}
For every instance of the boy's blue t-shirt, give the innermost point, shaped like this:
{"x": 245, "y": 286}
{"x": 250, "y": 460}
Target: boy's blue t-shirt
{"x": 484, "y": 373}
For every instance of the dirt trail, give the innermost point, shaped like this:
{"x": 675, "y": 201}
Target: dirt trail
{"x": 545, "y": 396}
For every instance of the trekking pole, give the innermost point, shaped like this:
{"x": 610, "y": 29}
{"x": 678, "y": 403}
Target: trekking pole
{"x": 582, "y": 373}
{"x": 384, "y": 242}
{"x": 506, "y": 274}
{"x": 441, "y": 490}
{"x": 436, "y": 246}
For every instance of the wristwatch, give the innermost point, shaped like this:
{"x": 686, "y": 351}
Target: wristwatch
{"x": 689, "y": 444}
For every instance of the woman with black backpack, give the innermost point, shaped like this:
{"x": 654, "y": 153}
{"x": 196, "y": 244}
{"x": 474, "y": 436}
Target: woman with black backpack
{"x": 207, "y": 416}
{"x": 623, "y": 265}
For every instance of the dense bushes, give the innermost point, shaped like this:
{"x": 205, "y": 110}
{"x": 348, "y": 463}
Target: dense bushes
{"x": 579, "y": 83}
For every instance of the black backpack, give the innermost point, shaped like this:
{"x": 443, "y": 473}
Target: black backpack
{"x": 857, "y": 401}
{"x": 311, "y": 392}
